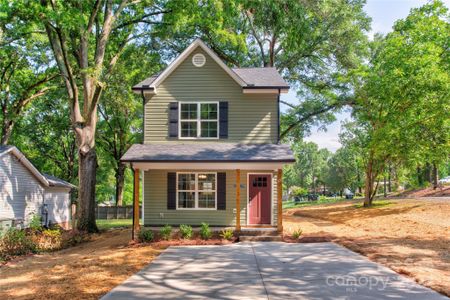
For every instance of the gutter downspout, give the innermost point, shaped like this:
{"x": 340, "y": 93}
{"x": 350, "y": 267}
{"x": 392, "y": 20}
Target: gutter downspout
{"x": 143, "y": 115}
{"x": 278, "y": 112}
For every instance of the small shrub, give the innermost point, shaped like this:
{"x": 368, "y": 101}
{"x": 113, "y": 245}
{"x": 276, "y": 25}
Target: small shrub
{"x": 186, "y": 231}
{"x": 15, "y": 242}
{"x": 297, "y": 233}
{"x": 166, "y": 232}
{"x": 227, "y": 234}
{"x": 35, "y": 223}
{"x": 205, "y": 232}
{"x": 299, "y": 191}
{"x": 48, "y": 240}
{"x": 146, "y": 236}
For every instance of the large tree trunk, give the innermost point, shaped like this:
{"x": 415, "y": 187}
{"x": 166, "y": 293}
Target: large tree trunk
{"x": 419, "y": 176}
{"x": 389, "y": 179}
{"x": 384, "y": 186}
{"x": 86, "y": 195}
{"x": 368, "y": 189}
{"x": 7, "y": 128}
{"x": 435, "y": 176}
{"x": 120, "y": 182}
{"x": 358, "y": 178}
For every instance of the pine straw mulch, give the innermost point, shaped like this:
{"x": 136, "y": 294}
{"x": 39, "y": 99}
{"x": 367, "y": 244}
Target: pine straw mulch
{"x": 412, "y": 237}
{"x": 86, "y": 271}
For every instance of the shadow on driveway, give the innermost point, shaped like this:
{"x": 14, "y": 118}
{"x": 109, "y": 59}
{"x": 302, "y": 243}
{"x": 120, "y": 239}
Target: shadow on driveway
{"x": 267, "y": 271}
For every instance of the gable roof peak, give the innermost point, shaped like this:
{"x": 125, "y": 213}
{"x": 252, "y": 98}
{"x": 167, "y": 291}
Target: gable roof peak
{"x": 194, "y": 45}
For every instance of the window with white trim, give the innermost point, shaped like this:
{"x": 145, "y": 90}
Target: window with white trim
{"x": 199, "y": 120}
{"x": 196, "y": 190}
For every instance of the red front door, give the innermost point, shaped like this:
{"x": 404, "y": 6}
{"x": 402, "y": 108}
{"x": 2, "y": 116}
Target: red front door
{"x": 259, "y": 199}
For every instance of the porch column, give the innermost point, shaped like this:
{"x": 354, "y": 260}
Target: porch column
{"x": 280, "y": 201}
{"x": 238, "y": 200}
{"x": 135, "y": 205}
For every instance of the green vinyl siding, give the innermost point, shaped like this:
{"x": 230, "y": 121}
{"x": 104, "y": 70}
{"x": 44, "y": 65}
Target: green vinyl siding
{"x": 155, "y": 202}
{"x": 252, "y": 118}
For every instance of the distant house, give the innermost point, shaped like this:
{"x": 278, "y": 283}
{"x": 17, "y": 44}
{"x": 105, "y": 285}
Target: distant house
{"x": 24, "y": 191}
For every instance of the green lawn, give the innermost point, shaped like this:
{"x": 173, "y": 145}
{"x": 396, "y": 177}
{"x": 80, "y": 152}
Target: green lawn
{"x": 113, "y": 223}
{"x": 322, "y": 200}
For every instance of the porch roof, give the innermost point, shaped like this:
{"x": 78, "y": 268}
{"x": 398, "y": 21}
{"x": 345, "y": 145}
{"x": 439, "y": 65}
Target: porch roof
{"x": 214, "y": 152}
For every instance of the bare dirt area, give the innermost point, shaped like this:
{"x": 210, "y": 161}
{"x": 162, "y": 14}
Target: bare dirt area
{"x": 86, "y": 271}
{"x": 412, "y": 237}
{"x": 428, "y": 192}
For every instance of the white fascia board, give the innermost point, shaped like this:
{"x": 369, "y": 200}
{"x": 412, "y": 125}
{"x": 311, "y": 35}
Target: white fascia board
{"x": 260, "y": 91}
{"x": 22, "y": 159}
{"x": 146, "y": 92}
{"x": 209, "y": 166}
{"x": 185, "y": 54}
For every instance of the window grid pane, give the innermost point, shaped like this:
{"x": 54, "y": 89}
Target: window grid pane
{"x": 188, "y": 129}
{"x": 196, "y": 190}
{"x": 188, "y": 111}
{"x": 208, "y": 111}
{"x": 208, "y": 129}
{"x": 199, "y": 120}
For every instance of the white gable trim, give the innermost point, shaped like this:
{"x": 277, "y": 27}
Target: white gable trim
{"x": 197, "y": 43}
{"x": 22, "y": 159}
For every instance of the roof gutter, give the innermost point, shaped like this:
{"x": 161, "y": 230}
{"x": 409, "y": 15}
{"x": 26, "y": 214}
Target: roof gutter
{"x": 207, "y": 161}
{"x": 249, "y": 87}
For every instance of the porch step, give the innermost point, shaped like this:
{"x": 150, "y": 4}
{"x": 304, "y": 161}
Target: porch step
{"x": 260, "y": 238}
{"x": 259, "y": 232}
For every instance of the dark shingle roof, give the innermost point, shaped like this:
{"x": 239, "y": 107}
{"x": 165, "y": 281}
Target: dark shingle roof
{"x": 5, "y": 148}
{"x": 57, "y": 182}
{"x": 208, "y": 152}
{"x": 253, "y": 77}
{"x": 145, "y": 82}
{"x": 261, "y": 77}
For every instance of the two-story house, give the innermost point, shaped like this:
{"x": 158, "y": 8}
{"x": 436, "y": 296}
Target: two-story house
{"x": 211, "y": 150}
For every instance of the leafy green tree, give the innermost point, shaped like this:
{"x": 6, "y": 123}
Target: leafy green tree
{"x": 120, "y": 123}
{"x": 87, "y": 39}
{"x": 403, "y": 101}
{"x": 25, "y": 74}
{"x": 45, "y": 135}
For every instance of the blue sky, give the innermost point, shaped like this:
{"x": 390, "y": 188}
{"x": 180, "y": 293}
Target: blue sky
{"x": 384, "y": 13}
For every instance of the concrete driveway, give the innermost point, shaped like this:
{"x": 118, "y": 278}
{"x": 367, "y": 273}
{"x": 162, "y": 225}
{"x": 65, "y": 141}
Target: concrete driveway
{"x": 267, "y": 271}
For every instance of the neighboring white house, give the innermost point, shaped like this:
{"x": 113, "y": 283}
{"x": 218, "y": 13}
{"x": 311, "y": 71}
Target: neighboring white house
{"x": 24, "y": 191}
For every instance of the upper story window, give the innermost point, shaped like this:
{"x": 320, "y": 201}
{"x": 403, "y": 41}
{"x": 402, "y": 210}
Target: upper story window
{"x": 199, "y": 120}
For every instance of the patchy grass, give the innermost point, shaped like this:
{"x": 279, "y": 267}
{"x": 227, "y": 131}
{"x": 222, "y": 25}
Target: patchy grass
{"x": 114, "y": 223}
{"x": 410, "y": 236}
{"x": 320, "y": 201}
{"x": 86, "y": 271}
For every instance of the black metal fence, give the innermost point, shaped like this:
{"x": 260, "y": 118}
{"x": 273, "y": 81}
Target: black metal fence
{"x": 115, "y": 212}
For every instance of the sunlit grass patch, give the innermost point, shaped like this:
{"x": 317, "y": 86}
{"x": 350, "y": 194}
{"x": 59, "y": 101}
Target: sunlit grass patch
{"x": 114, "y": 223}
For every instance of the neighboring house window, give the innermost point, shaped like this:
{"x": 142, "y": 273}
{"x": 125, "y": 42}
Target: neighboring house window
{"x": 199, "y": 120}
{"x": 196, "y": 190}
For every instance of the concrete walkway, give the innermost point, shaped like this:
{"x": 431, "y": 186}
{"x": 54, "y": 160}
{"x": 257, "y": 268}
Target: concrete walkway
{"x": 267, "y": 271}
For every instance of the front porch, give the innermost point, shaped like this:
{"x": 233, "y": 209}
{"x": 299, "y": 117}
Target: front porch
{"x": 231, "y": 218}
{"x": 240, "y": 189}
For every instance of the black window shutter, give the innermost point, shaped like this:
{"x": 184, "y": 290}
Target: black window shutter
{"x": 223, "y": 120}
{"x": 221, "y": 191}
{"x": 171, "y": 190}
{"x": 173, "y": 119}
